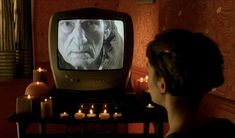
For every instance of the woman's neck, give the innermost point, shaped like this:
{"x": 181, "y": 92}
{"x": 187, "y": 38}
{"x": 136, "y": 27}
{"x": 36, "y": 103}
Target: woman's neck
{"x": 180, "y": 116}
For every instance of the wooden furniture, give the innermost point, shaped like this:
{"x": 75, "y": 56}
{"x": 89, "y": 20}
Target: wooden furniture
{"x": 133, "y": 110}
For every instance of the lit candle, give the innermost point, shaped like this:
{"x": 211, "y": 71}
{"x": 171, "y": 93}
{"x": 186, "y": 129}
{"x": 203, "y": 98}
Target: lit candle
{"x": 104, "y": 115}
{"x": 79, "y": 115}
{"x": 40, "y": 75}
{"x": 51, "y": 104}
{"x": 46, "y": 108}
{"x": 105, "y": 105}
{"x": 141, "y": 79}
{"x": 142, "y": 85}
{"x": 64, "y": 115}
{"x": 117, "y": 115}
{"x": 24, "y": 105}
{"x": 37, "y": 89}
{"x": 150, "y": 106}
{"x": 146, "y": 78}
{"x": 91, "y": 114}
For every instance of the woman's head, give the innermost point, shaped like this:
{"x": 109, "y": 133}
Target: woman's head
{"x": 189, "y": 63}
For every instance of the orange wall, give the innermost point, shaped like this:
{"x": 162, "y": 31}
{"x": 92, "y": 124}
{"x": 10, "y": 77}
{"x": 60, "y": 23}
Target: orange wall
{"x": 144, "y": 16}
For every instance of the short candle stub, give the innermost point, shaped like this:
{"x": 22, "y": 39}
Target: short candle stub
{"x": 64, "y": 115}
{"x": 79, "y": 115}
{"x": 104, "y": 115}
{"x": 91, "y": 114}
{"x": 117, "y": 115}
{"x": 150, "y": 106}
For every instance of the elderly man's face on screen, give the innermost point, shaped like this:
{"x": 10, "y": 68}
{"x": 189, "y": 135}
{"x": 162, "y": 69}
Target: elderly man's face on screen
{"x": 80, "y": 41}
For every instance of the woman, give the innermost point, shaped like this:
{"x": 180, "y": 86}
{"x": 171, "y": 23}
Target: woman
{"x": 183, "y": 66}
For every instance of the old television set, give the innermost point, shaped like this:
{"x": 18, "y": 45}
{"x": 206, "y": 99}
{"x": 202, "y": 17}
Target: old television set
{"x": 83, "y": 74}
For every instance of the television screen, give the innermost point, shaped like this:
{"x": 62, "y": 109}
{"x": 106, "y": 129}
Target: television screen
{"x": 90, "y": 44}
{"x": 90, "y": 49}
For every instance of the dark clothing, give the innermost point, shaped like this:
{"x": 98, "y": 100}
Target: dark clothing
{"x": 214, "y": 128}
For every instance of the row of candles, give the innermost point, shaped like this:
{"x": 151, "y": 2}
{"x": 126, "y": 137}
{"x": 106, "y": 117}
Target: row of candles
{"x": 38, "y": 88}
{"x": 105, "y": 115}
{"x": 26, "y": 105}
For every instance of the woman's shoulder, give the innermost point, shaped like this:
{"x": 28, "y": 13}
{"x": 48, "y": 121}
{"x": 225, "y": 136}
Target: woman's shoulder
{"x": 219, "y": 126}
{"x": 221, "y": 121}
{"x": 216, "y": 128}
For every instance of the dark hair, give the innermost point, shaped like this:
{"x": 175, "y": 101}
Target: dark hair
{"x": 190, "y": 63}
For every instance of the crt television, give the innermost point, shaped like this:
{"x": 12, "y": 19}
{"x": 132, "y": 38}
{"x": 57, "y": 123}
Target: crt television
{"x": 90, "y": 49}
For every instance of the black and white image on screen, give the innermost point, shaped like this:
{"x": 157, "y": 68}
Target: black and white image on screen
{"x": 90, "y": 44}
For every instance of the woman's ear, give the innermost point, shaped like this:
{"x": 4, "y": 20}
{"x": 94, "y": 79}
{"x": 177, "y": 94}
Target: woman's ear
{"x": 162, "y": 85}
{"x": 107, "y": 29}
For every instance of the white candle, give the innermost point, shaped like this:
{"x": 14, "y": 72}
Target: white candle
{"x": 79, "y": 115}
{"x": 141, "y": 79}
{"x": 64, "y": 115}
{"x": 46, "y": 108}
{"x": 117, "y": 115}
{"x": 40, "y": 75}
{"x": 24, "y": 105}
{"x": 91, "y": 114}
{"x": 146, "y": 78}
{"x": 105, "y": 115}
{"x": 150, "y": 106}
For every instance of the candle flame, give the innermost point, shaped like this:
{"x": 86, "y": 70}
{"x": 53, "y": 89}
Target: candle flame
{"x": 91, "y": 111}
{"x": 105, "y": 111}
{"x": 92, "y": 106}
{"x": 146, "y": 78}
{"x": 45, "y": 100}
{"x": 150, "y": 106}
{"x": 141, "y": 79}
{"x": 39, "y": 69}
{"x": 64, "y": 113}
{"x": 37, "y": 82}
{"x": 79, "y": 111}
{"x": 28, "y": 96}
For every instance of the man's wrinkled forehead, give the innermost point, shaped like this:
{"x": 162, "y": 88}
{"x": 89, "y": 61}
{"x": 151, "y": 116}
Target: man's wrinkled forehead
{"x": 91, "y": 20}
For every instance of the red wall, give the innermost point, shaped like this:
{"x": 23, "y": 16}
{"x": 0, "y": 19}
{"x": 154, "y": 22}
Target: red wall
{"x": 215, "y": 18}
